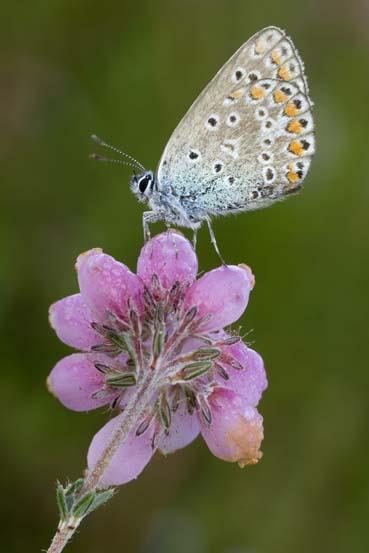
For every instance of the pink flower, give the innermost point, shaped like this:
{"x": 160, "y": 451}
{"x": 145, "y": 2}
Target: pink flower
{"x": 165, "y": 325}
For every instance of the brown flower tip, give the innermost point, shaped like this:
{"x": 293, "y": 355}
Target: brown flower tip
{"x": 249, "y": 274}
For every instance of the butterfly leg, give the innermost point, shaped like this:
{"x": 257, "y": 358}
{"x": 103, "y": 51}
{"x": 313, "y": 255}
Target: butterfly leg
{"x": 194, "y": 238}
{"x": 172, "y": 237}
{"x": 149, "y": 217}
{"x": 213, "y": 240}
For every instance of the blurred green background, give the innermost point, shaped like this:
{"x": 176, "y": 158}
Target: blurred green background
{"x": 128, "y": 71}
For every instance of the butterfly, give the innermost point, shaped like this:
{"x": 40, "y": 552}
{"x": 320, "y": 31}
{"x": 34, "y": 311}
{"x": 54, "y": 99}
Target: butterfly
{"x": 247, "y": 140}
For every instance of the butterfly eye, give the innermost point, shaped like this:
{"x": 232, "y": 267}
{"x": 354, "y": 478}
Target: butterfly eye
{"x": 143, "y": 183}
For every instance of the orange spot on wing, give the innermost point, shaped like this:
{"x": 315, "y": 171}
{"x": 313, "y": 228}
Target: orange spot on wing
{"x": 295, "y": 127}
{"x": 296, "y": 148}
{"x": 293, "y": 177}
{"x": 290, "y": 110}
{"x": 237, "y": 94}
{"x": 260, "y": 47}
{"x": 257, "y": 93}
{"x": 276, "y": 58}
{"x": 283, "y": 73}
{"x": 280, "y": 96}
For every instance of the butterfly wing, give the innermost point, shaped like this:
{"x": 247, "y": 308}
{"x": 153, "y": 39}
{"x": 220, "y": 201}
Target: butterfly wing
{"x": 248, "y": 139}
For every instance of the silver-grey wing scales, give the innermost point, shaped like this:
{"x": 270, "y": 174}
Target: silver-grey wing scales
{"x": 248, "y": 139}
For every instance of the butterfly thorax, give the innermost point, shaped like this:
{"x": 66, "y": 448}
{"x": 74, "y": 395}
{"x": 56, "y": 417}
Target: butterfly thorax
{"x": 166, "y": 205}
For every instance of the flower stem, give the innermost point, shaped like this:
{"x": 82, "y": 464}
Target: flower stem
{"x": 128, "y": 420}
{"x": 63, "y": 535}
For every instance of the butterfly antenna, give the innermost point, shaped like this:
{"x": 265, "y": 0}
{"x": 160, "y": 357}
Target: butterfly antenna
{"x": 106, "y": 145}
{"x": 97, "y": 157}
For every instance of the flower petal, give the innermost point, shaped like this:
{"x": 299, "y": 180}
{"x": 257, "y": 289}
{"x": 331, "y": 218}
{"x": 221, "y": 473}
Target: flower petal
{"x": 107, "y": 284}
{"x": 74, "y": 379}
{"x": 130, "y": 459}
{"x": 222, "y": 293}
{"x": 236, "y": 430}
{"x": 184, "y": 428}
{"x": 71, "y": 319}
{"x": 171, "y": 257}
{"x": 249, "y": 382}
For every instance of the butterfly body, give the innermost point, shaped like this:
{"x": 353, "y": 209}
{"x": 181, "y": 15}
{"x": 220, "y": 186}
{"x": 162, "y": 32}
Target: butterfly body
{"x": 246, "y": 142}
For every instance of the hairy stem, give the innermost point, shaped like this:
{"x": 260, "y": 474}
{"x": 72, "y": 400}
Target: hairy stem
{"x": 63, "y": 534}
{"x": 128, "y": 420}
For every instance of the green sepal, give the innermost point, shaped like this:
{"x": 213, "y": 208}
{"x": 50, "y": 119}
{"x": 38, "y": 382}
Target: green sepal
{"x": 109, "y": 349}
{"x": 69, "y": 507}
{"x": 100, "y": 499}
{"x": 191, "y": 400}
{"x": 164, "y": 412}
{"x": 82, "y": 507}
{"x": 121, "y": 380}
{"x": 158, "y": 340}
{"x": 206, "y": 353}
{"x": 102, "y": 368}
{"x": 119, "y": 340}
{"x": 193, "y": 370}
{"x": 62, "y": 502}
{"x": 190, "y": 315}
{"x": 75, "y": 486}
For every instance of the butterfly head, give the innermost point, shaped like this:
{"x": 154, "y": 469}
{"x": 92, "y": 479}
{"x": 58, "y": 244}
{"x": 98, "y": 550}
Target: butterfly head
{"x": 143, "y": 185}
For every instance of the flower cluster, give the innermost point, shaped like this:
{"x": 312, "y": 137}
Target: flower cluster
{"x": 160, "y": 333}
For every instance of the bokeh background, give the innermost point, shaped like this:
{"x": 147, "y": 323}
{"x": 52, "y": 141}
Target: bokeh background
{"x": 128, "y": 71}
